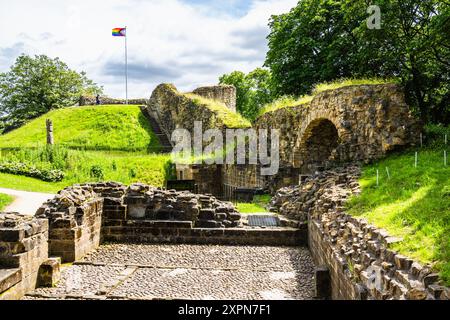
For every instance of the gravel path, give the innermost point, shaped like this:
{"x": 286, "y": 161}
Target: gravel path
{"x": 25, "y": 202}
{"x": 122, "y": 271}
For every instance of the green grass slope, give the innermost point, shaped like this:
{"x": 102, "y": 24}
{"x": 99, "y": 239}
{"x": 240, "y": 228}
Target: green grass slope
{"x": 116, "y": 127}
{"x": 414, "y": 204}
{"x": 5, "y": 200}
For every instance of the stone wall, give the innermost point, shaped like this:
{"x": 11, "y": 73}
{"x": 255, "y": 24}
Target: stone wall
{"x": 91, "y": 101}
{"x": 223, "y": 93}
{"x": 173, "y": 110}
{"x": 142, "y": 202}
{"x": 356, "y": 123}
{"x": 207, "y": 177}
{"x": 359, "y": 257}
{"x": 75, "y": 217}
{"x": 23, "y": 249}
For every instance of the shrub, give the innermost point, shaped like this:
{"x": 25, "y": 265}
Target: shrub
{"x": 97, "y": 172}
{"x": 435, "y": 135}
{"x": 24, "y": 169}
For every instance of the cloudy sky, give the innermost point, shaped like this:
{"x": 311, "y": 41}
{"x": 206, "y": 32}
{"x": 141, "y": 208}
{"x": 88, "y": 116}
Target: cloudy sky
{"x": 186, "y": 42}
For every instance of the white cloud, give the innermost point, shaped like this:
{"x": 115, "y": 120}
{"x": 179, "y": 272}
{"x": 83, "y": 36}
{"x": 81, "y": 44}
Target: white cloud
{"x": 168, "y": 40}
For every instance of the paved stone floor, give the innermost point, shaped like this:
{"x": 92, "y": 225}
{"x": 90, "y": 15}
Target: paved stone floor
{"x": 126, "y": 271}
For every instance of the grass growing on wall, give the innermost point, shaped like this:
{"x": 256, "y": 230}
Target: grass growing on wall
{"x": 285, "y": 102}
{"x": 288, "y": 101}
{"x": 229, "y": 118}
{"x": 115, "y": 127}
{"x": 349, "y": 82}
{"x": 5, "y": 200}
{"x": 413, "y": 204}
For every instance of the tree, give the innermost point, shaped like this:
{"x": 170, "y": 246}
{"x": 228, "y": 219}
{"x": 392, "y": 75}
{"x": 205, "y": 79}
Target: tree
{"x": 323, "y": 40}
{"x": 253, "y": 90}
{"x": 34, "y": 86}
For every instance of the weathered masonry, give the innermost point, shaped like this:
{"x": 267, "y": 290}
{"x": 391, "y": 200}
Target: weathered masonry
{"x": 355, "y": 123}
{"x": 358, "y": 257}
{"x": 82, "y": 217}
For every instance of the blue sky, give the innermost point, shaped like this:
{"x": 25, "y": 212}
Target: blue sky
{"x": 189, "y": 43}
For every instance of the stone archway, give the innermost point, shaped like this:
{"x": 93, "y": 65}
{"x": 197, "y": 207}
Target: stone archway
{"x": 318, "y": 145}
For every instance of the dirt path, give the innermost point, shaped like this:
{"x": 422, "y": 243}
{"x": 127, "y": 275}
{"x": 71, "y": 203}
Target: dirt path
{"x": 25, "y": 202}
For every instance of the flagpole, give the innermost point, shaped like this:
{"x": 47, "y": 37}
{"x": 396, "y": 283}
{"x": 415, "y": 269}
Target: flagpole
{"x": 126, "y": 66}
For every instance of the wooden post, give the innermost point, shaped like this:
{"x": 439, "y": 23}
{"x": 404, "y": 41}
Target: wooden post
{"x": 50, "y": 139}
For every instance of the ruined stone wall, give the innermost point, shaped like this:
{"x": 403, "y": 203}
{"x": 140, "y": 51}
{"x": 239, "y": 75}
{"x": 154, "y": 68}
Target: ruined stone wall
{"x": 91, "y": 101}
{"x": 223, "y": 93}
{"x": 359, "y": 257}
{"x": 173, "y": 110}
{"x": 23, "y": 249}
{"x": 356, "y": 123}
{"x": 75, "y": 218}
{"x": 207, "y": 177}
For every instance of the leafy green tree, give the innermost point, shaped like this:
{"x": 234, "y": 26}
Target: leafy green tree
{"x": 323, "y": 40}
{"x": 34, "y": 86}
{"x": 253, "y": 90}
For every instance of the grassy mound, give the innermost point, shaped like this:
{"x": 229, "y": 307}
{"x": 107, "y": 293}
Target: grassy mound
{"x": 116, "y": 127}
{"x": 414, "y": 204}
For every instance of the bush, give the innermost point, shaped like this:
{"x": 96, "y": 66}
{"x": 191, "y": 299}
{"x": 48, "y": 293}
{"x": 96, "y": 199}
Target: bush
{"x": 23, "y": 169}
{"x": 435, "y": 135}
{"x": 97, "y": 172}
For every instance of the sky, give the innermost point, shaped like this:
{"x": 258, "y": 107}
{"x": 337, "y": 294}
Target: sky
{"x": 189, "y": 43}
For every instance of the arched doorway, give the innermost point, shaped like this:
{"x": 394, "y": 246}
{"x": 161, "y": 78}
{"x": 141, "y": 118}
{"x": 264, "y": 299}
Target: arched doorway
{"x": 318, "y": 146}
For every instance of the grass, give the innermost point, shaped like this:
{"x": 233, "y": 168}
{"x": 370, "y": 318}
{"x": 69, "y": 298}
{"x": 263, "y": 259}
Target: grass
{"x": 413, "y": 204}
{"x": 257, "y": 206}
{"x": 228, "y": 117}
{"x": 125, "y": 167}
{"x": 5, "y": 200}
{"x": 285, "y": 102}
{"x": 349, "y": 82}
{"x": 289, "y": 101}
{"x": 118, "y": 127}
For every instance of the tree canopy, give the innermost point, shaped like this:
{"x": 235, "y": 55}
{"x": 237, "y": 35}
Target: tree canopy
{"x": 324, "y": 40}
{"x": 253, "y": 90}
{"x": 36, "y": 85}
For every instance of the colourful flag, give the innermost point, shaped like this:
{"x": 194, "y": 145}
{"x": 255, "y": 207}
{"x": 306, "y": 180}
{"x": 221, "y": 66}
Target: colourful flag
{"x": 119, "y": 32}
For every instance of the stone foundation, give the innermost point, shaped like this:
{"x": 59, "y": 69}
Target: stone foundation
{"x": 23, "y": 249}
{"x": 78, "y": 214}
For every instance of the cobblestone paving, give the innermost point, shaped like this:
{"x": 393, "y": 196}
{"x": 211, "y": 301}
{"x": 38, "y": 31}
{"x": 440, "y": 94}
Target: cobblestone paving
{"x": 127, "y": 271}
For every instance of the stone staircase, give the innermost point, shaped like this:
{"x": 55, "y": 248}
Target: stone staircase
{"x": 165, "y": 145}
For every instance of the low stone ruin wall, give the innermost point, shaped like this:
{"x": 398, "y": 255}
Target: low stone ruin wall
{"x": 359, "y": 257}
{"x": 81, "y": 215}
{"x": 23, "y": 249}
{"x": 75, "y": 217}
{"x": 91, "y": 101}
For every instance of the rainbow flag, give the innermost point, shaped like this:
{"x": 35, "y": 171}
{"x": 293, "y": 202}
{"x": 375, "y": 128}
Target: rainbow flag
{"x": 119, "y": 32}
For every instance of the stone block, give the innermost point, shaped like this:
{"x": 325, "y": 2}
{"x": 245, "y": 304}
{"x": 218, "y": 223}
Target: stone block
{"x": 49, "y": 272}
